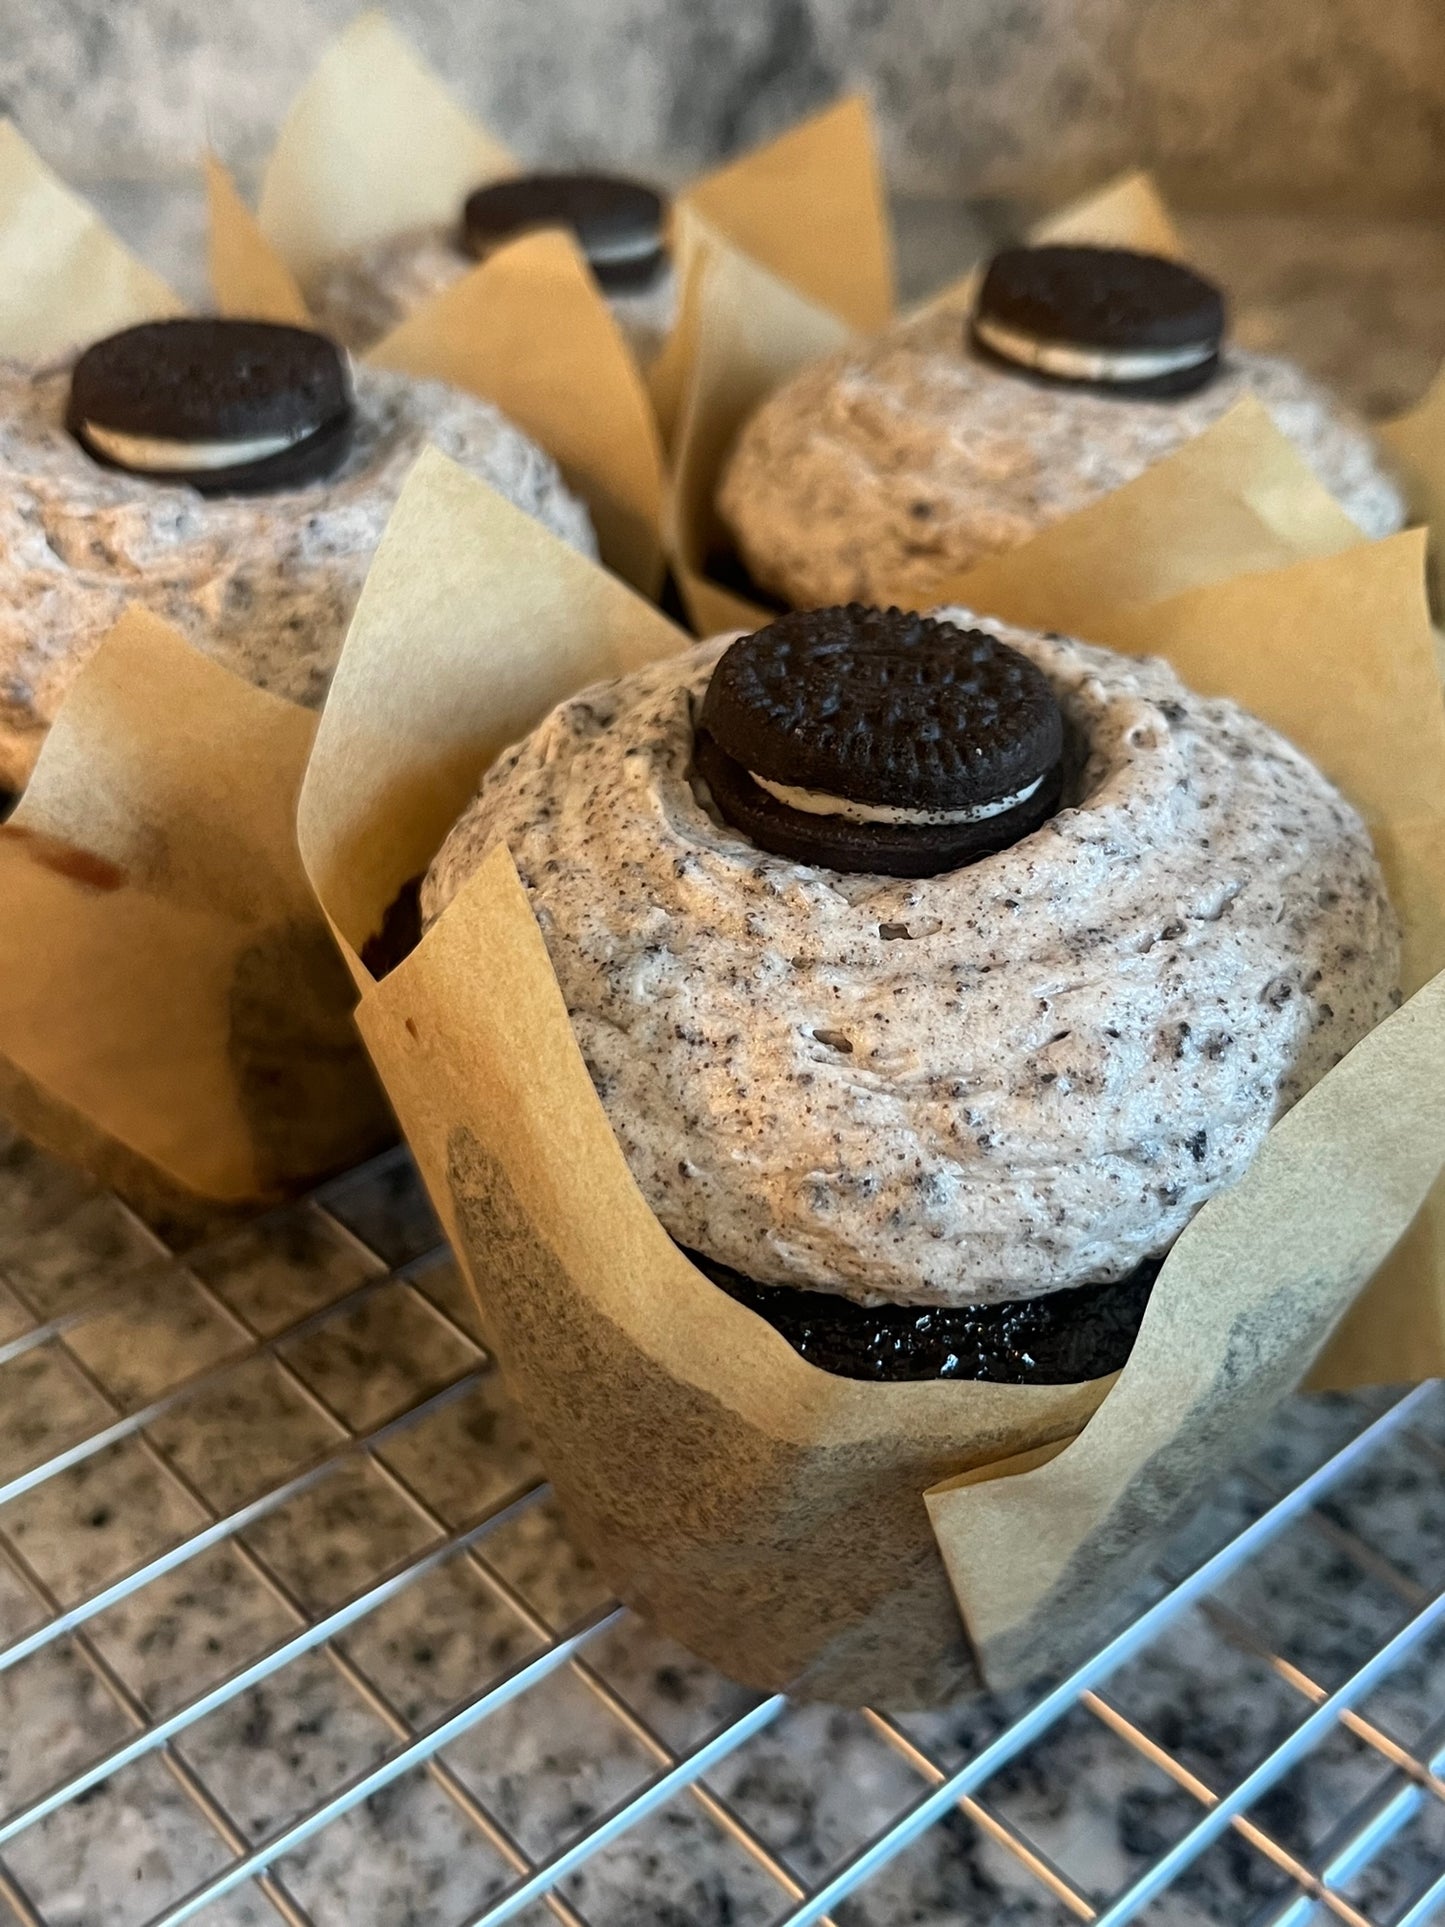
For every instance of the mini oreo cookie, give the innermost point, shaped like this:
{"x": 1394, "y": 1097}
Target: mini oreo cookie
{"x": 1062, "y": 1338}
{"x": 879, "y": 741}
{"x": 620, "y": 225}
{"x": 1106, "y": 318}
{"x": 229, "y": 407}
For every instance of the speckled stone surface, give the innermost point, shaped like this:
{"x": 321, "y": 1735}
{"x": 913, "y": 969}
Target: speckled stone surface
{"x": 356, "y": 1347}
{"x": 1304, "y": 98}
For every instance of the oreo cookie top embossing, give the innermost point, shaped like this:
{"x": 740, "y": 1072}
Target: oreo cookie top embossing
{"x": 620, "y": 225}
{"x": 230, "y": 407}
{"x": 1108, "y": 317}
{"x": 880, "y": 741}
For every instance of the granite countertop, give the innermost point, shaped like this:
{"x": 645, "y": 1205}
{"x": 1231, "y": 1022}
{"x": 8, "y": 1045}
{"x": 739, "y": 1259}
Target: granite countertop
{"x": 808, "y": 1790}
{"x": 1364, "y": 306}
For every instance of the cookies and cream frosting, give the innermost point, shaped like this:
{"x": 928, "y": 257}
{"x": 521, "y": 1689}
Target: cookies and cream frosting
{"x": 884, "y": 470}
{"x": 263, "y": 583}
{"x": 977, "y": 1086}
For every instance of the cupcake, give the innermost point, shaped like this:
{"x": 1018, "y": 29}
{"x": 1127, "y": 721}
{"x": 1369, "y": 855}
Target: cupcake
{"x": 619, "y": 225}
{"x": 232, "y": 477}
{"x": 896, "y": 464}
{"x": 932, "y": 972}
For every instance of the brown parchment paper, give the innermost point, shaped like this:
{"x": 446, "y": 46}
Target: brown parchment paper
{"x": 171, "y": 1010}
{"x": 770, "y": 1516}
{"x": 1336, "y": 652}
{"x": 64, "y": 277}
{"x": 811, "y": 206}
{"x": 1237, "y": 499}
{"x": 1038, "y": 1559}
{"x": 1416, "y": 441}
{"x": 753, "y": 332}
{"x": 373, "y": 144}
{"x": 249, "y": 279}
{"x": 741, "y": 333}
{"x": 527, "y": 329}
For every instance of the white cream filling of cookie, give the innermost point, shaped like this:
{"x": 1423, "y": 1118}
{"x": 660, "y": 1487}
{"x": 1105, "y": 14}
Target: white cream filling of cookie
{"x": 1078, "y": 363}
{"x": 154, "y": 454}
{"x": 614, "y": 253}
{"x": 601, "y": 253}
{"x": 848, "y": 810}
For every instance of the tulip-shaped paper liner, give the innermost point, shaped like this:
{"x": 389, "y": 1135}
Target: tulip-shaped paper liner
{"x": 769, "y": 1515}
{"x": 170, "y": 1014}
{"x": 1337, "y": 654}
{"x": 528, "y": 330}
{"x": 679, "y": 1428}
{"x": 752, "y": 334}
{"x": 374, "y": 145}
{"x": 64, "y": 278}
{"x": 173, "y": 1014}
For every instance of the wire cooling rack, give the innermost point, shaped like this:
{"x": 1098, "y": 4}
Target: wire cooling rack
{"x": 289, "y": 1628}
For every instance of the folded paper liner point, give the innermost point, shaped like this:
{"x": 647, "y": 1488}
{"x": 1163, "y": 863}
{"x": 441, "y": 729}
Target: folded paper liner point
{"x": 811, "y": 207}
{"x": 770, "y": 1516}
{"x": 753, "y": 332}
{"x": 1238, "y": 499}
{"x": 65, "y": 279}
{"x": 373, "y": 145}
{"x": 249, "y": 278}
{"x": 175, "y": 1018}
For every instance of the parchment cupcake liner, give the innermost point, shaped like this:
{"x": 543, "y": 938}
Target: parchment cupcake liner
{"x": 172, "y": 1014}
{"x": 752, "y": 333}
{"x": 374, "y": 146}
{"x": 843, "y": 1540}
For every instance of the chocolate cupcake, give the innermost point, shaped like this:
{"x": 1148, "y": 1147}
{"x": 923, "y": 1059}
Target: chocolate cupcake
{"x": 932, "y": 972}
{"x": 234, "y": 478}
{"x": 619, "y": 225}
{"x": 896, "y": 464}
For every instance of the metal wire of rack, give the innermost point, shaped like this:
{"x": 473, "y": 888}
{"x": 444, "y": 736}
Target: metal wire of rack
{"x": 289, "y": 1628}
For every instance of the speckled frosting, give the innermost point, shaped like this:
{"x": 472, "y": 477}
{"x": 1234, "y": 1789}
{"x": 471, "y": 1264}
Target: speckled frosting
{"x": 264, "y": 583}
{"x": 363, "y": 295}
{"x": 884, "y": 470}
{"x": 984, "y": 1085}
